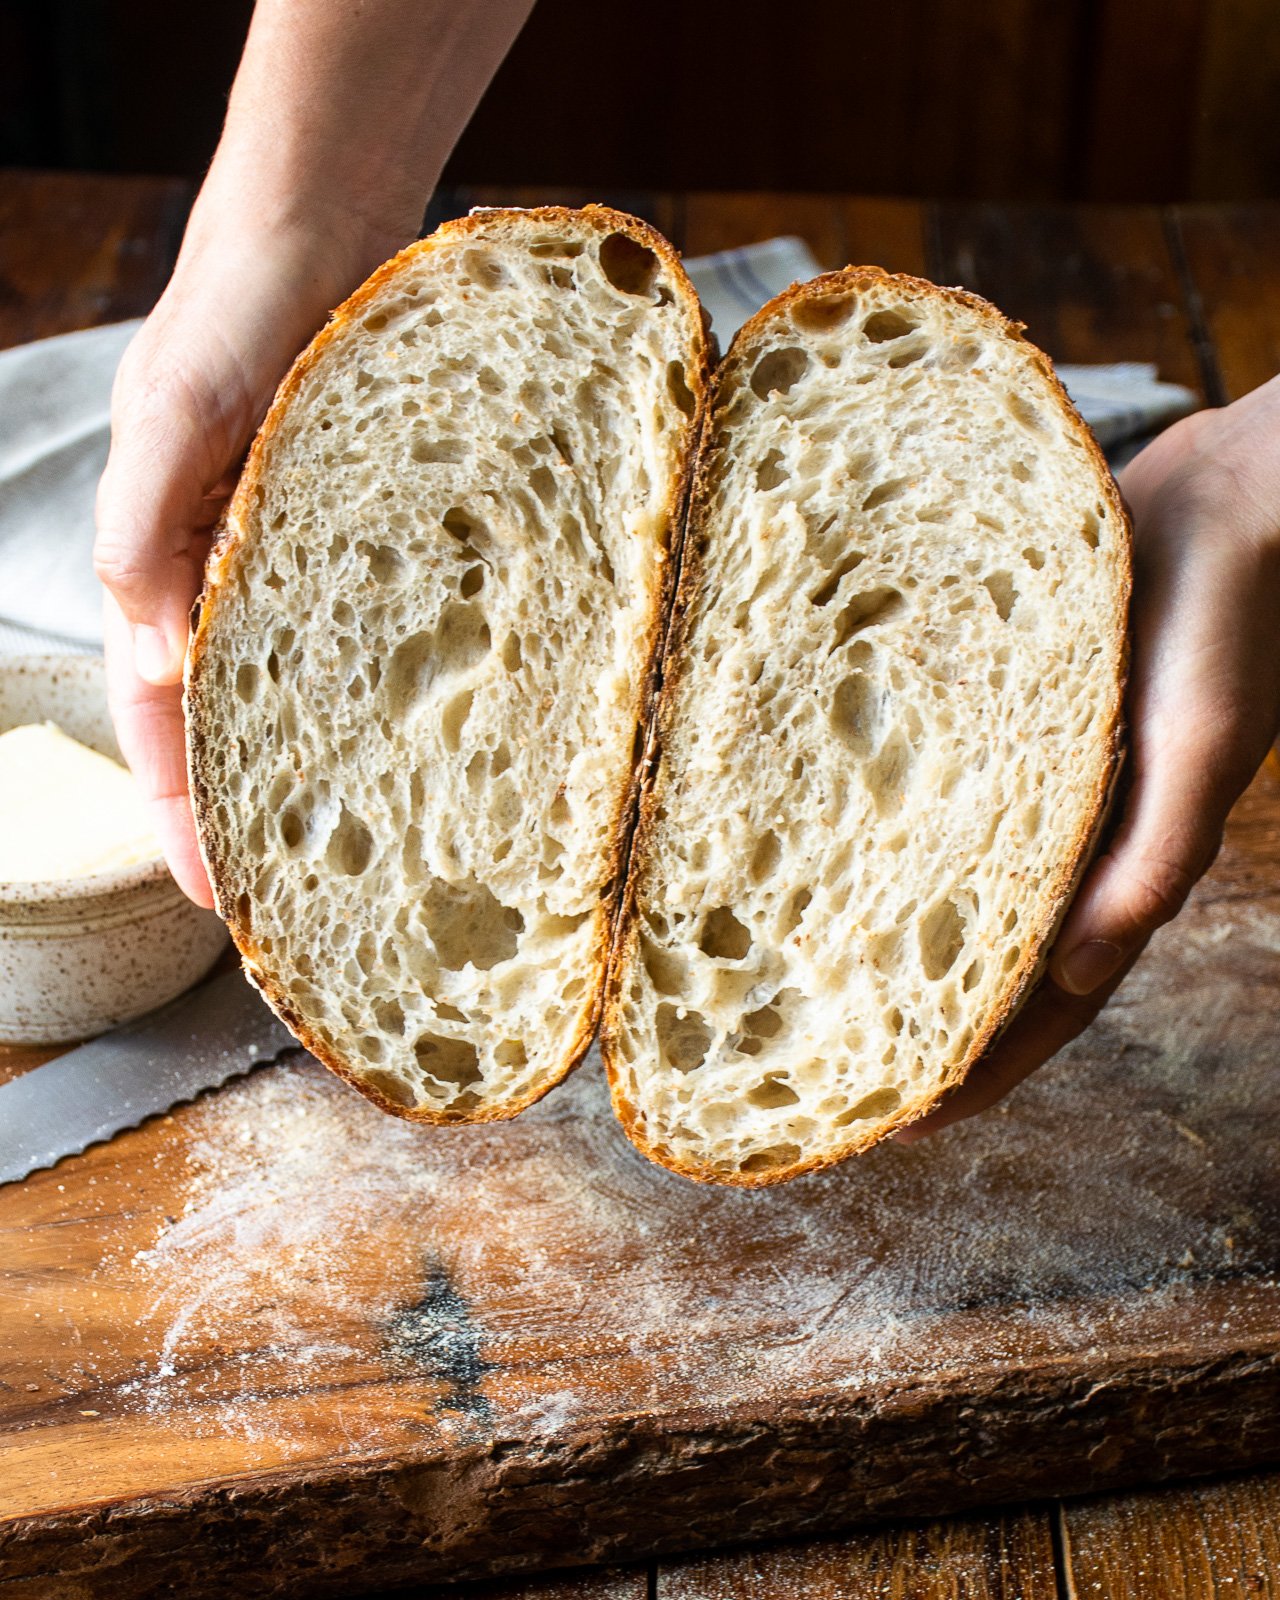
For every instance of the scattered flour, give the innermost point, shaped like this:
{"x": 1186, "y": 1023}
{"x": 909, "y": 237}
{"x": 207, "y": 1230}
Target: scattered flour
{"x": 524, "y": 1278}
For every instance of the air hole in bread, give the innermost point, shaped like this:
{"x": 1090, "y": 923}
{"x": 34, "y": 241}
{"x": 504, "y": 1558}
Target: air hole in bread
{"x": 292, "y": 829}
{"x": 384, "y": 563}
{"x": 552, "y": 248}
{"x": 884, "y": 492}
{"x": 779, "y": 371}
{"x": 629, "y": 266}
{"x": 769, "y": 473}
{"x": 678, "y": 388}
{"x": 855, "y": 713}
{"x": 543, "y": 483}
{"x": 972, "y": 975}
{"x": 350, "y": 847}
{"x": 1000, "y": 586}
{"x": 668, "y": 972}
{"x": 883, "y": 326}
{"x": 432, "y": 452}
{"x": 453, "y": 719}
{"x": 864, "y": 611}
{"x": 777, "y": 1155}
{"x": 759, "y": 1026}
{"x": 389, "y": 1015}
{"x": 1020, "y": 471}
{"x": 962, "y": 356}
{"x": 723, "y": 937}
{"x": 822, "y": 313}
{"x": 484, "y": 270}
{"x": 500, "y": 760}
{"x": 388, "y": 1085}
{"x": 273, "y": 667}
{"x": 827, "y": 593}
{"x": 512, "y": 659}
{"x": 472, "y": 582}
{"x": 1090, "y": 530}
{"x": 879, "y": 1103}
{"x": 451, "y": 1062}
{"x": 511, "y": 1053}
{"x": 1033, "y": 557}
{"x": 469, "y": 925}
{"x": 771, "y": 1093}
{"x": 489, "y": 382}
{"x": 765, "y": 857}
{"x": 795, "y": 909}
{"x": 683, "y": 1039}
{"x": 1025, "y": 414}
{"x": 888, "y": 773}
{"x": 941, "y": 939}
{"x": 458, "y": 641}
{"x": 907, "y": 354}
{"x": 247, "y": 682}
{"x": 448, "y": 1013}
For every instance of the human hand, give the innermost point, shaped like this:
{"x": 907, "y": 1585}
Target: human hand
{"x": 1203, "y": 709}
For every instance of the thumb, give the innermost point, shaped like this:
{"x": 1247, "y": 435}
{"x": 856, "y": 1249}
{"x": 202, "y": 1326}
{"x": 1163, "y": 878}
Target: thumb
{"x": 1170, "y": 834}
{"x": 153, "y": 516}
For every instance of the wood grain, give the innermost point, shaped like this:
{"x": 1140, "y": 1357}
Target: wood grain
{"x": 1232, "y": 255}
{"x": 725, "y": 221}
{"x": 1236, "y": 152}
{"x": 1092, "y": 283}
{"x": 1006, "y": 1557}
{"x": 76, "y": 251}
{"x": 892, "y": 234}
{"x": 1214, "y": 1541}
{"x": 631, "y": 1583}
{"x": 1143, "y": 54}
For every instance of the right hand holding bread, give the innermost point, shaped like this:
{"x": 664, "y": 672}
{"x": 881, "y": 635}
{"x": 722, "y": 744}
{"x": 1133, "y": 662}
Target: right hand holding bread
{"x": 1204, "y": 708}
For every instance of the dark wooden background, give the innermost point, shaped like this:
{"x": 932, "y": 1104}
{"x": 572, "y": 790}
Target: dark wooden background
{"x": 1153, "y": 100}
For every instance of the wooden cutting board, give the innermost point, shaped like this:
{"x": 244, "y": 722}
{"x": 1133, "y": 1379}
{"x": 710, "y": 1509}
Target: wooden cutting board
{"x": 278, "y": 1343}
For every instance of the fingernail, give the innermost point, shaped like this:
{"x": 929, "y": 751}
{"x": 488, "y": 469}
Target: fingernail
{"x": 1089, "y": 965}
{"x": 151, "y": 654}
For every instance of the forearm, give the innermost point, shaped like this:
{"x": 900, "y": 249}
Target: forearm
{"x": 341, "y": 118}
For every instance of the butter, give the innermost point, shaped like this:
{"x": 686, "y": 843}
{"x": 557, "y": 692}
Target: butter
{"x": 65, "y": 810}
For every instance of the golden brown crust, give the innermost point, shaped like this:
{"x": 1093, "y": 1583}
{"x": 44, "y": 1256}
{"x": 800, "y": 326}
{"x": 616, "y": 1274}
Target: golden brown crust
{"x": 235, "y": 530}
{"x": 1026, "y": 974}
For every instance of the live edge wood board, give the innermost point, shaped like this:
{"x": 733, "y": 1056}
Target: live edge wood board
{"x": 279, "y": 1344}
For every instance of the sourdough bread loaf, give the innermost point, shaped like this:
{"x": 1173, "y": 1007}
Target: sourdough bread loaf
{"x": 887, "y": 732}
{"x": 424, "y": 657}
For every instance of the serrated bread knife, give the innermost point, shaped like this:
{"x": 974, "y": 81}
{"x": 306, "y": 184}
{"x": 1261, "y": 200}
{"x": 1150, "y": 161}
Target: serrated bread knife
{"x": 214, "y": 1032}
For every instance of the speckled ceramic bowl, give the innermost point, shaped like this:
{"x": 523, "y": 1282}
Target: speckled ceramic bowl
{"x": 79, "y": 955}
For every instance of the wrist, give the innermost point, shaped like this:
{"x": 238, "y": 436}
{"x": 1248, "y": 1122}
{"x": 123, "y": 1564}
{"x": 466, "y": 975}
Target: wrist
{"x": 245, "y": 220}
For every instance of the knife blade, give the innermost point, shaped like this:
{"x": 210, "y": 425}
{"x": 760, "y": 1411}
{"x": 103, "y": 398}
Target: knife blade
{"x": 212, "y": 1033}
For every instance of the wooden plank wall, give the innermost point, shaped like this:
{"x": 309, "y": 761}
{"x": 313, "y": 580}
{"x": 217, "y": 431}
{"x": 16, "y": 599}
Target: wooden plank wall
{"x": 1136, "y": 100}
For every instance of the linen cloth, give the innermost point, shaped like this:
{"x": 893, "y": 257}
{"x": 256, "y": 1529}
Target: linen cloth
{"x": 54, "y": 431}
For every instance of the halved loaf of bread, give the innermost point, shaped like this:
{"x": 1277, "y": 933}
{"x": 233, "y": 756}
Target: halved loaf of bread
{"x": 887, "y": 733}
{"x": 425, "y": 653}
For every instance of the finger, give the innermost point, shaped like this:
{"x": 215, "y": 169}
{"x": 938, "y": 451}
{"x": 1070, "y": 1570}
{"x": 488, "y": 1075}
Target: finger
{"x": 1049, "y": 1020}
{"x": 151, "y": 502}
{"x": 1203, "y": 716}
{"x": 148, "y": 723}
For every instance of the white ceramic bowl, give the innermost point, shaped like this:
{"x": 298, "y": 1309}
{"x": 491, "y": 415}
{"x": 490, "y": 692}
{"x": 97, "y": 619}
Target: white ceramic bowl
{"x": 79, "y": 955}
